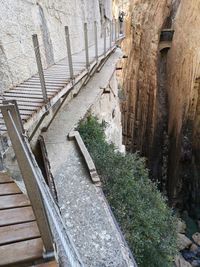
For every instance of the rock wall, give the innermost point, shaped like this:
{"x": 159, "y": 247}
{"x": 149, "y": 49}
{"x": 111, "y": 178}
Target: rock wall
{"x": 140, "y": 72}
{"x": 107, "y": 109}
{"x": 183, "y": 68}
{"x": 160, "y": 94}
{"x": 20, "y": 19}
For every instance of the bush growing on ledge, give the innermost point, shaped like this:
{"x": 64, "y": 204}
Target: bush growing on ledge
{"x": 140, "y": 209}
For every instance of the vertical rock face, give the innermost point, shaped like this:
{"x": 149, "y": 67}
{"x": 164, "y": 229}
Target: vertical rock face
{"x": 184, "y": 104}
{"x": 20, "y": 19}
{"x": 161, "y": 98}
{"x": 107, "y": 109}
{"x": 140, "y": 77}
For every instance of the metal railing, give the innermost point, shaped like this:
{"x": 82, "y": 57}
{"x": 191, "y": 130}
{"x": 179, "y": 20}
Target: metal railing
{"x": 114, "y": 35}
{"x": 50, "y": 223}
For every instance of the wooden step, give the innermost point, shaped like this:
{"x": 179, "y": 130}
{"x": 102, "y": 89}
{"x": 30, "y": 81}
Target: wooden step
{"x": 13, "y": 201}
{"x": 8, "y": 189}
{"x": 21, "y": 252}
{"x": 5, "y": 178}
{"x": 18, "y": 232}
{"x": 16, "y": 215}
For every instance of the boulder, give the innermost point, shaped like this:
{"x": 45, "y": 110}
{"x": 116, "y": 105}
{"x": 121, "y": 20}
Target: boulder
{"x": 195, "y": 263}
{"x": 183, "y": 242}
{"x": 193, "y": 248}
{"x": 181, "y": 262}
{"x": 196, "y": 238}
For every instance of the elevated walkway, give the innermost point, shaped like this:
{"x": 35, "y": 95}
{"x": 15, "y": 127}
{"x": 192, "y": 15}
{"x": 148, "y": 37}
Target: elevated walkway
{"x": 83, "y": 206}
{"x": 20, "y": 240}
{"x": 30, "y": 96}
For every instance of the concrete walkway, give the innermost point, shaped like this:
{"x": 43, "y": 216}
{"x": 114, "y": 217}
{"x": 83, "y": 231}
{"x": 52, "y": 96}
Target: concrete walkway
{"x": 83, "y": 207}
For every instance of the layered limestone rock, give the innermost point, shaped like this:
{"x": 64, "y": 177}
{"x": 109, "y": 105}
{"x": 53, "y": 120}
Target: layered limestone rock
{"x": 184, "y": 103}
{"x": 161, "y": 94}
{"x": 21, "y": 18}
{"x": 140, "y": 72}
{"x": 140, "y": 81}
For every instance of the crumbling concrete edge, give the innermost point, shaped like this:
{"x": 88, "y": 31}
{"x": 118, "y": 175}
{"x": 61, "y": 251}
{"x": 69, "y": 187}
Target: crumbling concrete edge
{"x": 128, "y": 256}
{"x": 86, "y": 155}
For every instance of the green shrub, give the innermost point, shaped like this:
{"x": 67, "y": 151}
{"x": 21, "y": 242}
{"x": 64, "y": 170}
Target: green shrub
{"x": 140, "y": 209}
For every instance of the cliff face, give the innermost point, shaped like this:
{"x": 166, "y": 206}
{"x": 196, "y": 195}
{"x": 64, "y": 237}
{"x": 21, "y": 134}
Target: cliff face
{"x": 183, "y": 79}
{"x": 20, "y": 19}
{"x": 140, "y": 72}
{"x": 161, "y": 95}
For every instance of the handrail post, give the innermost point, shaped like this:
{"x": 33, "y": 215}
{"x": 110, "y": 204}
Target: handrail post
{"x": 96, "y": 40}
{"x": 110, "y": 33}
{"x": 28, "y": 173}
{"x": 104, "y": 37}
{"x": 115, "y": 30}
{"x": 39, "y": 66}
{"x": 119, "y": 29}
{"x": 69, "y": 53}
{"x": 86, "y": 45}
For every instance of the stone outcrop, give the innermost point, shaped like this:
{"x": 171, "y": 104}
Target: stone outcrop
{"x": 181, "y": 262}
{"x": 196, "y": 238}
{"x": 183, "y": 242}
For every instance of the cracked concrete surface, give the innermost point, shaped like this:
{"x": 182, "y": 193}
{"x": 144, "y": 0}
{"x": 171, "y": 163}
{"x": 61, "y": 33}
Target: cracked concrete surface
{"x": 83, "y": 207}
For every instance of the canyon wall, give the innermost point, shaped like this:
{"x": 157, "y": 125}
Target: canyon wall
{"x": 20, "y": 19}
{"x": 183, "y": 79}
{"x": 140, "y": 72}
{"x": 161, "y": 94}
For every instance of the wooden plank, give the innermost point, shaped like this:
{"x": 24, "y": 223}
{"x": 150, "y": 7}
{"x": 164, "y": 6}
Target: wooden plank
{"x": 49, "y": 85}
{"x": 14, "y": 95}
{"x": 34, "y": 88}
{"x": 26, "y": 99}
{"x": 18, "y": 232}
{"x": 24, "y": 117}
{"x": 7, "y": 189}
{"x": 25, "y": 112}
{"x": 5, "y": 178}
{"x": 24, "y": 107}
{"x": 16, "y": 215}
{"x": 49, "y": 81}
{"x": 48, "y": 264}
{"x": 28, "y": 92}
{"x": 21, "y": 252}
{"x": 13, "y": 201}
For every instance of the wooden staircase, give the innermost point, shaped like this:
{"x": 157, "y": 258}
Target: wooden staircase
{"x": 20, "y": 240}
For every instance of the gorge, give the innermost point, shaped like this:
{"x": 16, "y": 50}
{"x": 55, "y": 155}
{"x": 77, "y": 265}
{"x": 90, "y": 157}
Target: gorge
{"x": 160, "y": 108}
{"x": 108, "y": 97}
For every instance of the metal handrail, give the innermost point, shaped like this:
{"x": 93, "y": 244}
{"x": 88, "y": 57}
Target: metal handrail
{"x": 52, "y": 229}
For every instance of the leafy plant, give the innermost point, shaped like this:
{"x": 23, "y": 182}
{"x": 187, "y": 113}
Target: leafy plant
{"x": 140, "y": 209}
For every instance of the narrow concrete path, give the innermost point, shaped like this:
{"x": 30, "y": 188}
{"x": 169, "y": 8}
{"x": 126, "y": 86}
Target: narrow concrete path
{"x": 83, "y": 206}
